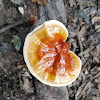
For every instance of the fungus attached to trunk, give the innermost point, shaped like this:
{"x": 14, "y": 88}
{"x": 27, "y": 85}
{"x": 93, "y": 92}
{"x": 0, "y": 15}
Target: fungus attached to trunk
{"x": 48, "y": 57}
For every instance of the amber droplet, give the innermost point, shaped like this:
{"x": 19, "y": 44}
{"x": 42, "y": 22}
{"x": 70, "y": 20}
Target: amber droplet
{"x": 20, "y": 65}
{"x": 31, "y": 20}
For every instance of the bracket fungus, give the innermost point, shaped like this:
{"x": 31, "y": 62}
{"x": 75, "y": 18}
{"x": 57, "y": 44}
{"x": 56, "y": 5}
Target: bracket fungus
{"x": 48, "y": 56}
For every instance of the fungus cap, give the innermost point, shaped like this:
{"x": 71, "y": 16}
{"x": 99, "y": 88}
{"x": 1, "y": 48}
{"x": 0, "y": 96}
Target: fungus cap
{"x": 39, "y": 55}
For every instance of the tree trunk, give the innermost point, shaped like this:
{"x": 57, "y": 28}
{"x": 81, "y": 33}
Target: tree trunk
{"x": 54, "y": 10}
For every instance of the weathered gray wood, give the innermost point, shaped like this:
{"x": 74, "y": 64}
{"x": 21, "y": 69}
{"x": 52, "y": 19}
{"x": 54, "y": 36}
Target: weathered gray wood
{"x": 53, "y": 10}
{"x": 45, "y": 92}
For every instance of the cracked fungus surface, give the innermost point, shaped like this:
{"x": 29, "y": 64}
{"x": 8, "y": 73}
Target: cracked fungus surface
{"x": 50, "y": 56}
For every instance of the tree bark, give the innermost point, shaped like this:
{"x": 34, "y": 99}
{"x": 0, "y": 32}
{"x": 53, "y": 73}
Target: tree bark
{"x": 54, "y": 10}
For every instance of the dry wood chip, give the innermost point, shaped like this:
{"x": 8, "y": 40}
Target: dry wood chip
{"x": 21, "y": 10}
{"x": 95, "y": 19}
{"x": 27, "y": 85}
{"x": 98, "y": 30}
{"x": 83, "y": 68}
{"x": 82, "y": 31}
{"x": 79, "y": 35}
{"x": 97, "y": 27}
{"x": 41, "y": 2}
{"x": 72, "y": 3}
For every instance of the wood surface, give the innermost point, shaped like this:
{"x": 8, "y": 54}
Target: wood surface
{"x": 54, "y": 10}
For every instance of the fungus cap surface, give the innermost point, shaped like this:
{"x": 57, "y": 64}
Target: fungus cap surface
{"x": 48, "y": 57}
